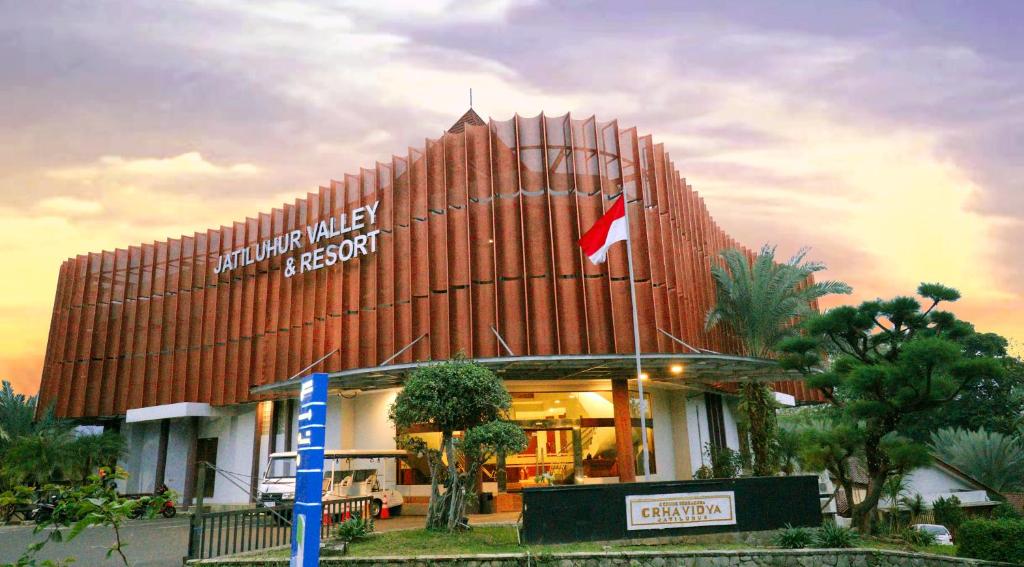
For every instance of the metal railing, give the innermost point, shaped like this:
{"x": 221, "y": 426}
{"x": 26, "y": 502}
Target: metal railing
{"x": 237, "y": 531}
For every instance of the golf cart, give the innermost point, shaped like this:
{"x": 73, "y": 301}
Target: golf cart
{"x": 347, "y": 473}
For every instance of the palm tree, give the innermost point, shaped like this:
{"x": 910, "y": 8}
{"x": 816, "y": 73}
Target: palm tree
{"x": 895, "y": 489}
{"x": 89, "y": 452}
{"x": 16, "y": 413}
{"x": 915, "y": 505}
{"x": 34, "y": 452}
{"x": 761, "y": 302}
{"x": 993, "y": 458}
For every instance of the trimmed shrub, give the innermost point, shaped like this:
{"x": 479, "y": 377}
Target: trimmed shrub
{"x": 793, "y": 538}
{"x": 992, "y": 540}
{"x": 832, "y": 536}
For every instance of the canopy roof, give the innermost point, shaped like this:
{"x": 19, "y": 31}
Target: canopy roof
{"x": 698, "y": 370}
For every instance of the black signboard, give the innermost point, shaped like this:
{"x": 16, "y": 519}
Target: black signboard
{"x": 598, "y": 512}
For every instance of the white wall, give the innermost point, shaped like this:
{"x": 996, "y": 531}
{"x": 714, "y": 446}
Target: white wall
{"x": 729, "y": 409}
{"x": 697, "y": 426}
{"x": 680, "y": 436}
{"x": 142, "y": 441}
{"x": 372, "y": 428}
{"x": 933, "y": 482}
{"x": 234, "y": 453}
{"x": 664, "y": 446}
{"x": 178, "y": 441}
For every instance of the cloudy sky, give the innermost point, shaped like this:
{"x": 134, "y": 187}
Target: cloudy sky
{"x": 888, "y": 136}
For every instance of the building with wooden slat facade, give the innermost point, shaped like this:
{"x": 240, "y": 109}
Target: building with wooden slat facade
{"x": 466, "y": 246}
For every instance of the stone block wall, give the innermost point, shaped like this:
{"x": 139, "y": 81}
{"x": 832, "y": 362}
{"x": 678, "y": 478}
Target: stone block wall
{"x": 742, "y": 558}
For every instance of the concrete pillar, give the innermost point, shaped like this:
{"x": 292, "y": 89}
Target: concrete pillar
{"x": 190, "y": 461}
{"x": 262, "y": 411}
{"x": 161, "y": 454}
{"x": 623, "y": 430}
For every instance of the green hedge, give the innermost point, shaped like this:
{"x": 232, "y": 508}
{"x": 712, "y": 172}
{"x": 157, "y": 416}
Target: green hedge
{"x": 992, "y": 540}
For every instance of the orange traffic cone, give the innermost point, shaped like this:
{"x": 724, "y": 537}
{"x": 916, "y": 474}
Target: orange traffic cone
{"x": 384, "y": 513}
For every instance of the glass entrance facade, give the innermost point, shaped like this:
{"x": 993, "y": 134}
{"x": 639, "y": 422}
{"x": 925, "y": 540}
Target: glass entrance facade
{"x": 571, "y": 440}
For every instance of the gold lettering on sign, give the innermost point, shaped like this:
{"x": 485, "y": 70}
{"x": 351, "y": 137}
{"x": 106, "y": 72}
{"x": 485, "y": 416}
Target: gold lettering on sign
{"x": 662, "y": 511}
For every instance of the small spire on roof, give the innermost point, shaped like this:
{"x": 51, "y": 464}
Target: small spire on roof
{"x": 470, "y": 117}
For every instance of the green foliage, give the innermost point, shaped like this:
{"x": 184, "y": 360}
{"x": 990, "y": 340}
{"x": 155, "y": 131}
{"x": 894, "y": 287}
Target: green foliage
{"x": 37, "y": 452}
{"x": 355, "y": 528}
{"x": 725, "y": 463}
{"x": 787, "y": 443}
{"x": 947, "y": 512}
{"x": 86, "y": 453}
{"x": 762, "y": 301}
{"x": 793, "y": 538}
{"x": 452, "y": 396}
{"x": 1005, "y": 511}
{"x": 895, "y": 489}
{"x": 993, "y": 458}
{"x": 833, "y": 536}
{"x": 915, "y": 506}
{"x": 916, "y": 538}
{"x": 881, "y": 364}
{"x": 484, "y": 441}
{"x": 93, "y": 503}
{"x": 992, "y": 540}
{"x": 993, "y": 403}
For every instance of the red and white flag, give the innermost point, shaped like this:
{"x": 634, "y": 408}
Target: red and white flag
{"x": 608, "y": 230}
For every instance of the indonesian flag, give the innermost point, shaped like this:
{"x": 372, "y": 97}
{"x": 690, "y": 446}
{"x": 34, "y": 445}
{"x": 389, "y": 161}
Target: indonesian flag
{"x": 608, "y": 230}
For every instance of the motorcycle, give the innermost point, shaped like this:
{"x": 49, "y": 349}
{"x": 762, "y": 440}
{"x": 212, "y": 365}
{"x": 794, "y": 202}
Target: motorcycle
{"x": 45, "y": 508}
{"x": 167, "y": 508}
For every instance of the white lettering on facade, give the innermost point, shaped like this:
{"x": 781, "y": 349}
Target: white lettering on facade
{"x": 312, "y": 235}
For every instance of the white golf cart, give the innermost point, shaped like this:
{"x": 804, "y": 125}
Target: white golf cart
{"x": 347, "y": 473}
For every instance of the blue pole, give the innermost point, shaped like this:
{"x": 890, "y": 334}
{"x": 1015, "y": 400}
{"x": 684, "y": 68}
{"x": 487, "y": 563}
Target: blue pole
{"x": 308, "y": 511}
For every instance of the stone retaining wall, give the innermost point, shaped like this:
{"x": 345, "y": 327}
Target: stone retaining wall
{"x": 744, "y": 558}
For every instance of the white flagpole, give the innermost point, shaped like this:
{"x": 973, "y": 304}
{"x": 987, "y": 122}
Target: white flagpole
{"x": 636, "y": 345}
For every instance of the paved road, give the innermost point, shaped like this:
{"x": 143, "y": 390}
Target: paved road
{"x": 150, "y": 543}
{"x": 157, "y": 542}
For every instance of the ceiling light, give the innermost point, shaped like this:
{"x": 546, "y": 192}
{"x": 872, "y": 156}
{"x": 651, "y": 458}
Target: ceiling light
{"x": 676, "y": 369}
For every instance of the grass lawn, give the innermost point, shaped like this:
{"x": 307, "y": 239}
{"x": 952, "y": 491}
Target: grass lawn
{"x": 502, "y": 539}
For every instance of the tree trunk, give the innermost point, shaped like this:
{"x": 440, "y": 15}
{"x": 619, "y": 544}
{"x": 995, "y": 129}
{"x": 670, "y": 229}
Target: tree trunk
{"x": 864, "y": 512}
{"x": 760, "y": 410}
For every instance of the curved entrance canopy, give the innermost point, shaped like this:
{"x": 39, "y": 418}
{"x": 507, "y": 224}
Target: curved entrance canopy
{"x": 697, "y": 370}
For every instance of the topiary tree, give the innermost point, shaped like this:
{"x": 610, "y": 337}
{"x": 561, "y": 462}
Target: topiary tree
{"x": 886, "y": 362}
{"x": 455, "y": 396}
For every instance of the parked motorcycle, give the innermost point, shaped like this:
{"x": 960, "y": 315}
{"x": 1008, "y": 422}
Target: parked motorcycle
{"x": 167, "y": 508}
{"x": 45, "y": 508}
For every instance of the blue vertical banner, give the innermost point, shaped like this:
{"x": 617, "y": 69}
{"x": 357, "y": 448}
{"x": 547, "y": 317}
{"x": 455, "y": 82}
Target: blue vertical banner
{"x": 309, "y": 474}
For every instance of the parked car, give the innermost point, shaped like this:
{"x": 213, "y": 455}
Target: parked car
{"x": 940, "y": 533}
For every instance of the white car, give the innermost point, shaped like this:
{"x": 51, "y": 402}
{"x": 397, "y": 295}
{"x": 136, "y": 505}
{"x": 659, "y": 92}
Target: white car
{"x": 341, "y": 479}
{"x": 940, "y": 533}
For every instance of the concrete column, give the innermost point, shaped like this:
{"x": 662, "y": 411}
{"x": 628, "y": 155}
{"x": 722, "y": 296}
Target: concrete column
{"x": 289, "y": 419}
{"x": 190, "y": 461}
{"x": 623, "y": 430}
{"x": 262, "y": 409}
{"x": 161, "y": 454}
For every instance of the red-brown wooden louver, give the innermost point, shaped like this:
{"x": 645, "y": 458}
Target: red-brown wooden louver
{"x": 478, "y": 229}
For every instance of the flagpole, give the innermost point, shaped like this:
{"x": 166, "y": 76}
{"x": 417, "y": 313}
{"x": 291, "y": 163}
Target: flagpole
{"x": 636, "y": 343}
